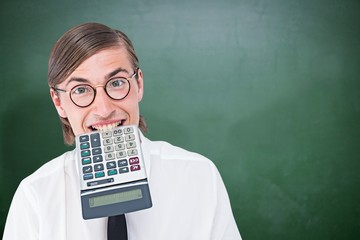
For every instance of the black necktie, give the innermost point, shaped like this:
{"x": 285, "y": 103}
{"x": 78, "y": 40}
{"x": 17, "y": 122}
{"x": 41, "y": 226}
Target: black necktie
{"x": 117, "y": 228}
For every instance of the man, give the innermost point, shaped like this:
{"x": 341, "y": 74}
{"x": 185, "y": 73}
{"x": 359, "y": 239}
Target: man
{"x": 189, "y": 198}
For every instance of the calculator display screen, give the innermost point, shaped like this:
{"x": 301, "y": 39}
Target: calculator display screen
{"x": 115, "y": 198}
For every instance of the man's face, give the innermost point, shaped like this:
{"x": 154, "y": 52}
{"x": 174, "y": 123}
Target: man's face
{"x": 104, "y": 111}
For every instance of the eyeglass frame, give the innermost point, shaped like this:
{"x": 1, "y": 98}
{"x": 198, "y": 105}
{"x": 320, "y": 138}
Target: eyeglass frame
{"x": 95, "y": 87}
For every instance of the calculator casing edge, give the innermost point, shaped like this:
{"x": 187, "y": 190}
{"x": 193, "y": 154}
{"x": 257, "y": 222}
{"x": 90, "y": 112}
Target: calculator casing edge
{"x": 138, "y": 180}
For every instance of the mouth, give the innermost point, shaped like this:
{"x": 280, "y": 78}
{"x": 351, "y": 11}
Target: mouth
{"x": 106, "y": 126}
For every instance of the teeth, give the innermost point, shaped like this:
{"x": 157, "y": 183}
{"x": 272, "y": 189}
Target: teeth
{"x": 106, "y": 127}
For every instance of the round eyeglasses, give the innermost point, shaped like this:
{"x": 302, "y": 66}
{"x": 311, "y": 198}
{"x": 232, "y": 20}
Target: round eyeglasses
{"x": 83, "y": 95}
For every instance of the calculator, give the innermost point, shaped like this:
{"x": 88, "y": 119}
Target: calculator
{"x": 112, "y": 172}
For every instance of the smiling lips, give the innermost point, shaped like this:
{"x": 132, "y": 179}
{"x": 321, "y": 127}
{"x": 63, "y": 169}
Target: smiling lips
{"x": 106, "y": 127}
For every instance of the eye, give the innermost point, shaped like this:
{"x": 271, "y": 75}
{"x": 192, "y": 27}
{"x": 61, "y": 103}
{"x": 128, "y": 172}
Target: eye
{"x": 116, "y": 83}
{"x": 82, "y": 89}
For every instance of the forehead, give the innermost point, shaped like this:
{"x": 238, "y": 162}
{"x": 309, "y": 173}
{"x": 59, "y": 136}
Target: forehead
{"x": 99, "y": 65}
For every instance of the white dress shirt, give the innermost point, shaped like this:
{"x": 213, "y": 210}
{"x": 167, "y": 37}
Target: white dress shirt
{"x": 188, "y": 195}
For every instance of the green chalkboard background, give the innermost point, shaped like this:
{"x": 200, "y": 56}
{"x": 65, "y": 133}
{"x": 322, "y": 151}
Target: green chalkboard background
{"x": 268, "y": 90}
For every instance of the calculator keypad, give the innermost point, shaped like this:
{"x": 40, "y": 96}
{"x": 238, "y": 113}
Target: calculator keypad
{"x": 106, "y": 155}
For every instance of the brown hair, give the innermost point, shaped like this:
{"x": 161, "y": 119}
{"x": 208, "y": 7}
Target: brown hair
{"x": 74, "y": 47}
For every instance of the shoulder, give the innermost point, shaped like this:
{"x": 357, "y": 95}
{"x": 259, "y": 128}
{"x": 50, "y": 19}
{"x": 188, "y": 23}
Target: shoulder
{"x": 169, "y": 151}
{"x": 50, "y": 170}
{"x": 167, "y": 156}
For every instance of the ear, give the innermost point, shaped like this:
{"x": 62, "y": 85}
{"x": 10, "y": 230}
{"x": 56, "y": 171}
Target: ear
{"x": 140, "y": 84}
{"x": 56, "y": 100}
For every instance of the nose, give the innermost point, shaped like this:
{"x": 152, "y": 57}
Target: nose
{"x": 102, "y": 105}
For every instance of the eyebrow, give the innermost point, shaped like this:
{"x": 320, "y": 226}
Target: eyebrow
{"x": 107, "y": 76}
{"x": 116, "y": 71}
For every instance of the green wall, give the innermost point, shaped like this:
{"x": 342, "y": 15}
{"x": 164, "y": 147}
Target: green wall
{"x": 269, "y": 90}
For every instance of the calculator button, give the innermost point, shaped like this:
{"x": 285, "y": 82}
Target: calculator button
{"x": 128, "y": 130}
{"x": 88, "y": 176}
{"x": 119, "y": 146}
{"x": 122, "y": 163}
{"x": 130, "y": 137}
{"x": 132, "y": 152}
{"x": 135, "y": 168}
{"x": 107, "y": 141}
{"x": 85, "y": 153}
{"x": 123, "y": 170}
{"x": 134, "y": 160}
{"x": 86, "y": 161}
{"x": 87, "y": 169}
{"x": 84, "y": 138}
{"x": 118, "y": 132}
{"x": 99, "y": 174}
{"x": 106, "y": 134}
{"x": 119, "y": 139}
{"x": 110, "y": 156}
{"x": 130, "y": 145}
{"x": 96, "y": 151}
{"x": 121, "y": 154}
{"x": 97, "y": 158}
{"x": 112, "y": 172}
{"x": 98, "y": 167}
{"x": 95, "y": 140}
{"x": 109, "y": 149}
{"x": 85, "y": 145}
{"x": 111, "y": 165}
